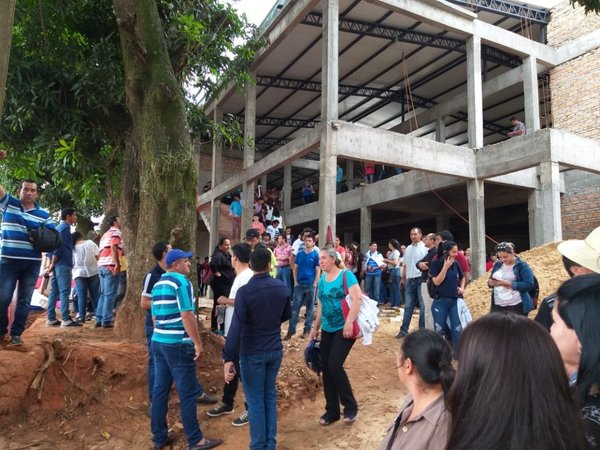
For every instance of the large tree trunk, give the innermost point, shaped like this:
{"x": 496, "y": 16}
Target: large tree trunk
{"x": 7, "y": 16}
{"x": 159, "y": 177}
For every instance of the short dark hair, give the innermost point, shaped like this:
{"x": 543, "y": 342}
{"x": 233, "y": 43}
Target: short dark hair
{"x": 502, "y": 358}
{"x": 372, "y": 242}
{"x": 30, "y": 182}
{"x": 445, "y": 235}
{"x": 66, "y": 212}
{"x": 159, "y": 249}
{"x": 310, "y": 235}
{"x": 222, "y": 241}
{"x": 112, "y": 220}
{"x": 513, "y": 118}
{"x": 265, "y": 234}
{"x": 242, "y": 252}
{"x": 76, "y": 236}
{"x": 260, "y": 259}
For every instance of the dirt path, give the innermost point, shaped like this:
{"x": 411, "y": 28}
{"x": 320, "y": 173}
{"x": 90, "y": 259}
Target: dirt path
{"x": 94, "y": 395}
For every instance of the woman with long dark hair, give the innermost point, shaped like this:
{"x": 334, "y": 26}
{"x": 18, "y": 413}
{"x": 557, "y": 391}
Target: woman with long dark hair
{"x": 511, "y": 280}
{"x": 223, "y": 276}
{"x": 424, "y": 366}
{"x": 511, "y": 391}
{"x": 576, "y": 331}
{"x": 393, "y": 265}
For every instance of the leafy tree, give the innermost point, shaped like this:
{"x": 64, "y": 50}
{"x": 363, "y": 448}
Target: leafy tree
{"x": 589, "y": 5}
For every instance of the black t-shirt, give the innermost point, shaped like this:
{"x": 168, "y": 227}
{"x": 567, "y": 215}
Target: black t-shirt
{"x": 150, "y": 280}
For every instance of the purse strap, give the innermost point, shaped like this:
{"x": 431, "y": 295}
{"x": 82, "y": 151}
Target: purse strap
{"x": 345, "y": 284}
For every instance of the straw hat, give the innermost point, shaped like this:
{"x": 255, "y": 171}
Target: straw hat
{"x": 584, "y": 252}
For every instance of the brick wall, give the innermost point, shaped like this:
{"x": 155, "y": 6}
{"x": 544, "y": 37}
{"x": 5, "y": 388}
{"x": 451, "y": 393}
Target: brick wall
{"x": 568, "y": 23}
{"x": 231, "y": 166}
{"x": 580, "y": 212}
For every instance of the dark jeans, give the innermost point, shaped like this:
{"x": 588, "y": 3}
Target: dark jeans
{"x": 174, "y": 362}
{"x": 412, "y": 296}
{"x": 26, "y": 273}
{"x": 83, "y": 285}
{"x": 334, "y": 351}
{"x": 259, "y": 373}
{"x": 516, "y": 309}
{"x": 60, "y": 288}
{"x": 304, "y": 294}
{"x": 396, "y": 298}
{"x": 285, "y": 274}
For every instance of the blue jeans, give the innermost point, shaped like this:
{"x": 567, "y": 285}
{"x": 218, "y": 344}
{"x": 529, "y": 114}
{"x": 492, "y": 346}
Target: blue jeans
{"x": 26, "y": 273}
{"x": 60, "y": 287}
{"x": 285, "y": 274}
{"x": 121, "y": 290}
{"x": 442, "y": 309}
{"x": 303, "y": 294}
{"x": 396, "y": 292}
{"x": 109, "y": 284}
{"x": 259, "y": 373}
{"x": 174, "y": 362}
{"x": 83, "y": 285}
{"x": 412, "y": 295}
{"x": 372, "y": 286}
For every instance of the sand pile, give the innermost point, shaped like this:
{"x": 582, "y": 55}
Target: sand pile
{"x": 547, "y": 267}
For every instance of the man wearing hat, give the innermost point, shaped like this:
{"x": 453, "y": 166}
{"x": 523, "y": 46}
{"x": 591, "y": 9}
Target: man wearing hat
{"x": 253, "y": 240}
{"x": 176, "y": 346}
{"x": 579, "y": 257}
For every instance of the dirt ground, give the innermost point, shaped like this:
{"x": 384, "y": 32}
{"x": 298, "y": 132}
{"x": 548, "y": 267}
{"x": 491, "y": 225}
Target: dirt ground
{"x": 84, "y": 389}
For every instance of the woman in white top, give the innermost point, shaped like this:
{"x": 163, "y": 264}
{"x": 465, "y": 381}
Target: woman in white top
{"x": 85, "y": 273}
{"x": 393, "y": 262}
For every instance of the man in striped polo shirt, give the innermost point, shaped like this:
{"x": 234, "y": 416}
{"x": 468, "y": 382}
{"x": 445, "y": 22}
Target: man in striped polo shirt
{"x": 18, "y": 260}
{"x": 176, "y": 346}
{"x": 109, "y": 269}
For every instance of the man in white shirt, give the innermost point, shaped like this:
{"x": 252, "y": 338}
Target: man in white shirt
{"x": 411, "y": 280}
{"x": 241, "y": 263}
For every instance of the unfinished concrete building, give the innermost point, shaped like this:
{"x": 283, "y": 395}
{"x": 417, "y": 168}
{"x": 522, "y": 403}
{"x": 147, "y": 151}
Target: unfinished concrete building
{"x": 422, "y": 85}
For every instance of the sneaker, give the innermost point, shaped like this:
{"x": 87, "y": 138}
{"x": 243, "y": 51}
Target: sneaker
{"x": 52, "y": 323}
{"x": 242, "y": 420}
{"x": 207, "y": 399}
{"x": 288, "y": 336}
{"x": 16, "y": 340}
{"x": 219, "y": 410}
{"x": 88, "y": 316}
{"x": 107, "y": 325}
{"x": 69, "y": 323}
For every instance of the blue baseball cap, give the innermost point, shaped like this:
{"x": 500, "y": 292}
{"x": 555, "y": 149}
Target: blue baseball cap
{"x": 176, "y": 254}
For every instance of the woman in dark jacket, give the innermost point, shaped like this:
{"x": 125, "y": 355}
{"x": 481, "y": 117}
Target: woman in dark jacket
{"x": 223, "y": 276}
{"x": 511, "y": 280}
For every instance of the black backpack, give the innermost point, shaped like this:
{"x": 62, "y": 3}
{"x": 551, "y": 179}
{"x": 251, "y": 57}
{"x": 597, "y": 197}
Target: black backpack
{"x": 44, "y": 239}
{"x": 312, "y": 356}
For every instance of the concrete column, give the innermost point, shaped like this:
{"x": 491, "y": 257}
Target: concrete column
{"x": 534, "y": 208}
{"x": 442, "y": 222}
{"x": 440, "y": 129}
{"x": 474, "y": 92}
{"x": 217, "y": 177}
{"x": 329, "y": 112}
{"x": 350, "y": 173}
{"x": 531, "y": 94}
{"x": 263, "y": 184}
{"x": 551, "y": 226}
{"x": 475, "y": 198}
{"x": 249, "y": 153}
{"x": 365, "y": 228}
{"x": 348, "y": 237}
{"x": 287, "y": 187}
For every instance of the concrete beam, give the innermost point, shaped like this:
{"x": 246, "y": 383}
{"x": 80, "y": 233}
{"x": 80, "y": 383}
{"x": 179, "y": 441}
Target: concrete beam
{"x": 551, "y": 226}
{"x": 309, "y": 164}
{"x": 578, "y": 47}
{"x": 299, "y": 147}
{"x": 575, "y": 151}
{"x": 359, "y": 141}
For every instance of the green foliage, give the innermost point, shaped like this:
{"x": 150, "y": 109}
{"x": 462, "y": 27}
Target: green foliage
{"x": 589, "y": 5}
{"x": 65, "y": 119}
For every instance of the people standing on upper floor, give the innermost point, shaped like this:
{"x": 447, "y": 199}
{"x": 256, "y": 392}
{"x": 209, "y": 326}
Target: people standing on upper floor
{"x": 411, "y": 281}
{"x": 372, "y": 271}
{"x": 394, "y": 268}
{"x": 207, "y": 187}
{"x": 518, "y": 128}
{"x": 424, "y": 365}
{"x": 223, "y": 276}
{"x": 576, "y": 314}
{"x": 235, "y": 212}
{"x": 19, "y": 262}
{"x": 511, "y": 391}
{"x": 369, "y": 171}
{"x": 282, "y": 253}
{"x": 306, "y": 274}
{"x": 511, "y": 280}
{"x": 308, "y": 192}
{"x": 61, "y": 265}
{"x": 339, "y": 179}
{"x": 111, "y": 250}
{"x": 579, "y": 257}
{"x": 176, "y": 346}
{"x": 423, "y": 266}
{"x": 261, "y": 306}
{"x": 241, "y": 264}
{"x": 85, "y": 273}
{"x": 449, "y": 282}
{"x": 337, "y": 335}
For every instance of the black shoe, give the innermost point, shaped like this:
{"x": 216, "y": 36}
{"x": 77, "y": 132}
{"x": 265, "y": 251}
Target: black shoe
{"x": 288, "y": 336}
{"x": 69, "y": 323}
{"x": 208, "y": 443}
{"x": 401, "y": 334}
{"x": 244, "y": 419}
{"x": 219, "y": 410}
{"x": 98, "y": 325}
{"x": 108, "y": 325}
{"x": 16, "y": 340}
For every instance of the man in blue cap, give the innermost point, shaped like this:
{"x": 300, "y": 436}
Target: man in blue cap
{"x": 176, "y": 347}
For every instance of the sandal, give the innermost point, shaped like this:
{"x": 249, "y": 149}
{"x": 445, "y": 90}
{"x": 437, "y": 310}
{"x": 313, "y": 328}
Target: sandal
{"x": 327, "y": 419}
{"x": 350, "y": 418}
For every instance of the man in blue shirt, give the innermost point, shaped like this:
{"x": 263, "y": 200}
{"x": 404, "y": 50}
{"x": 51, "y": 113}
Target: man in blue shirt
{"x": 261, "y": 306}
{"x": 62, "y": 266}
{"x": 372, "y": 271}
{"x": 176, "y": 346}
{"x": 306, "y": 273}
{"x": 18, "y": 260}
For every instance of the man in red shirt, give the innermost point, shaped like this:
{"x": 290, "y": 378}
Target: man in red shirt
{"x": 109, "y": 266}
{"x": 443, "y": 236}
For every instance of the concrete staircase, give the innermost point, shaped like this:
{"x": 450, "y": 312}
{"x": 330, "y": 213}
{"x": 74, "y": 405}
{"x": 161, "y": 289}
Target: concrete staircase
{"x": 224, "y": 225}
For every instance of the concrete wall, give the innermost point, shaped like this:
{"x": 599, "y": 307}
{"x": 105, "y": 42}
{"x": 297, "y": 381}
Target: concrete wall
{"x": 575, "y": 93}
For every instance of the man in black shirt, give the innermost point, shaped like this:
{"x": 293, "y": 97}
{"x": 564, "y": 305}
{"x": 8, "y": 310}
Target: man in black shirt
{"x": 423, "y": 266}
